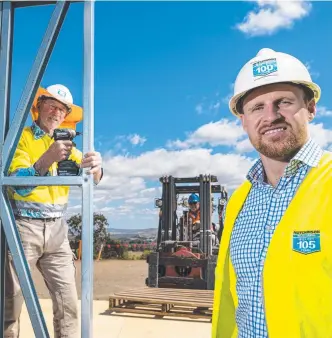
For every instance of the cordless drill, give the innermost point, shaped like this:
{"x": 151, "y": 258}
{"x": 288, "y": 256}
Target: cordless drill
{"x": 66, "y": 167}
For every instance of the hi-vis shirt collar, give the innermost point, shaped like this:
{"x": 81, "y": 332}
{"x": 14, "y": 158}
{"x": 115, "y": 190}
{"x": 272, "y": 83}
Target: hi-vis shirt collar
{"x": 37, "y": 131}
{"x": 309, "y": 155}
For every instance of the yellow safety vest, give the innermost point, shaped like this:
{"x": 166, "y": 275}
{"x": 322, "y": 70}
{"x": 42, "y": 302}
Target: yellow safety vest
{"x": 297, "y": 287}
{"x": 50, "y": 201}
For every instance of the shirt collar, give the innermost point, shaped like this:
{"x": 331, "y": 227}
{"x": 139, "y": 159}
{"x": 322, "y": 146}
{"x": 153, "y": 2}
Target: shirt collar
{"x": 37, "y": 131}
{"x": 309, "y": 155}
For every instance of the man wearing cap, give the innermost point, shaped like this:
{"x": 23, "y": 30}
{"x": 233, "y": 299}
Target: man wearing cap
{"x": 274, "y": 270}
{"x": 39, "y": 211}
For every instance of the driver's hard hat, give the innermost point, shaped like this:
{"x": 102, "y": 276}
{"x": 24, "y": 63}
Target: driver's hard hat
{"x": 193, "y": 198}
{"x": 60, "y": 93}
{"x": 269, "y": 67}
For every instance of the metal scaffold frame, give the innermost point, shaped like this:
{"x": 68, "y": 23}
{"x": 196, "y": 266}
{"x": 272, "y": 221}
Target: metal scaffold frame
{"x": 10, "y": 135}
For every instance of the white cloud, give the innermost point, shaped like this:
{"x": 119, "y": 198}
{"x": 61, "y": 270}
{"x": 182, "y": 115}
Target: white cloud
{"x": 119, "y": 211}
{"x": 215, "y": 105}
{"x": 323, "y": 111}
{"x": 120, "y": 143}
{"x": 128, "y": 211}
{"x": 120, "y": 186}
{"x": 123, "y": 196}
{"x": 313, "y": 73}
{"x": 199, "y": 108}
{"x": 321, "y": 135}
{"x": 227, "y": 98}
{"x": 136, "y": 139}
{"x": 145, "y": 196}
{"x": 272, "y": 15}
{"x": 244, "y": 146}
{"x": 138, "y": 200}
{"x": 223, "y": 132}
{"x": 154, "y": 164}
{"x": 209, "y": 104}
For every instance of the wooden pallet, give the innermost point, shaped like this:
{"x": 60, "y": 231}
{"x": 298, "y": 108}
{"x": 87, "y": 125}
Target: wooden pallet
{"x": 164, "y": 302}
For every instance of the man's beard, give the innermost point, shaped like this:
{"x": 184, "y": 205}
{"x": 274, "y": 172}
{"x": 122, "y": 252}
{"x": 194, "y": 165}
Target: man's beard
{"x": 283, "y": 150}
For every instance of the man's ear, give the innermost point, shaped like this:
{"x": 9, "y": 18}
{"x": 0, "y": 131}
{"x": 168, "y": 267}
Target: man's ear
{"x": 243, "y": 122}
{"x": 311, "y": 110}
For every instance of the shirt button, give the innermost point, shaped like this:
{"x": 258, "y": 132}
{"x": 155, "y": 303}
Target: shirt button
{"x": 269, "y": 227}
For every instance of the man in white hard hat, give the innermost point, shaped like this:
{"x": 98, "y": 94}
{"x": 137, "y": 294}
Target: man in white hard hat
{"x": 274, "y": 269}
{"x": 39, "y": 213}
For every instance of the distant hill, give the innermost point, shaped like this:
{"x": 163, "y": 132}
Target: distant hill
{"x": 131, "y": 233}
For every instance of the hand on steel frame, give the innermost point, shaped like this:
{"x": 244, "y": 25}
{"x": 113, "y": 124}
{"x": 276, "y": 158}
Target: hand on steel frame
{"x": 93, "y": 161}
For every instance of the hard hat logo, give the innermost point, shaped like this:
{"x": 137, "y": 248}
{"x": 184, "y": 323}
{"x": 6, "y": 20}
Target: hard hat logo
{"x": 62, "y": 93}
{"x": 264, "y": 68}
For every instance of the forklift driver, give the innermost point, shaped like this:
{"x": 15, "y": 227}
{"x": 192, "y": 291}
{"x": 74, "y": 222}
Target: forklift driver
{"x": 195, "y": 219}
{"x": 194, "y": 212}
{"x": 194, "y": 215}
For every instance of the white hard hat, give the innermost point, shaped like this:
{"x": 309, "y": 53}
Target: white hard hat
{"x": 60, "y": 93}
{"x": 269, "y": 67}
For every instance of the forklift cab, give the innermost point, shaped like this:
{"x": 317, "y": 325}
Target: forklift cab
{"x": 174, "y": 221}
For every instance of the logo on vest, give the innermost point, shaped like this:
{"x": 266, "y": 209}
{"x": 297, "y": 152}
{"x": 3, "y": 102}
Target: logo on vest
{"x": 306, "y": 242}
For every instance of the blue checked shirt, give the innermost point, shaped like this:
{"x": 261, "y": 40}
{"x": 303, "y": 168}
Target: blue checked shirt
{"x": 252, "y": 233}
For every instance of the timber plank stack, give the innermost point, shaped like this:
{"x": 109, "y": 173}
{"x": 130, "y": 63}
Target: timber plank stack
{"x": 164, "y": 302}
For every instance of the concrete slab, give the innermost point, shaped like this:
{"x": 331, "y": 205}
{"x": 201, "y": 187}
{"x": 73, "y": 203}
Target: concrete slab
{"x": 126, "y": 325}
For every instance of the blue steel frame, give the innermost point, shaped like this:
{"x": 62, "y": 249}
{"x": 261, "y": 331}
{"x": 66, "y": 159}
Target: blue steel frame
{"x": 9, "y": 135}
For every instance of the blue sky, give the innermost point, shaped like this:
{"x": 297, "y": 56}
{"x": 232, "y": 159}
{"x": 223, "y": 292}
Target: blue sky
{"x": 163, "y": 76}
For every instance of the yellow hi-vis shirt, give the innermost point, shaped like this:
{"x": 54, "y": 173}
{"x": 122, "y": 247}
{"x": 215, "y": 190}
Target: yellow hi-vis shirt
{"x": 41, "y": 201}
{"x": 297, "y": 287}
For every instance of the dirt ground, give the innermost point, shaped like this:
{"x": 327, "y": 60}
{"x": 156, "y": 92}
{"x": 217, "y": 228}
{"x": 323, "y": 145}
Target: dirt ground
{"x": 109, "y": 276}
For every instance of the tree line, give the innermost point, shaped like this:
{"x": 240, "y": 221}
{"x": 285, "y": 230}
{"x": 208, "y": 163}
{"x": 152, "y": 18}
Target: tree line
{"x": 104, "y": 246}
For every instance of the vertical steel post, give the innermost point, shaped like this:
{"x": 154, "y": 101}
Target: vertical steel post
{"x": 165, "y": 207}
{"x": 163, "y": 211}
{"x": 87, "y": 187}
{"x": 173, "y": 208}
{"x": 208, "y": 233}
{"x": 203, "y": 211}
{"x": 5, "y": 64}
